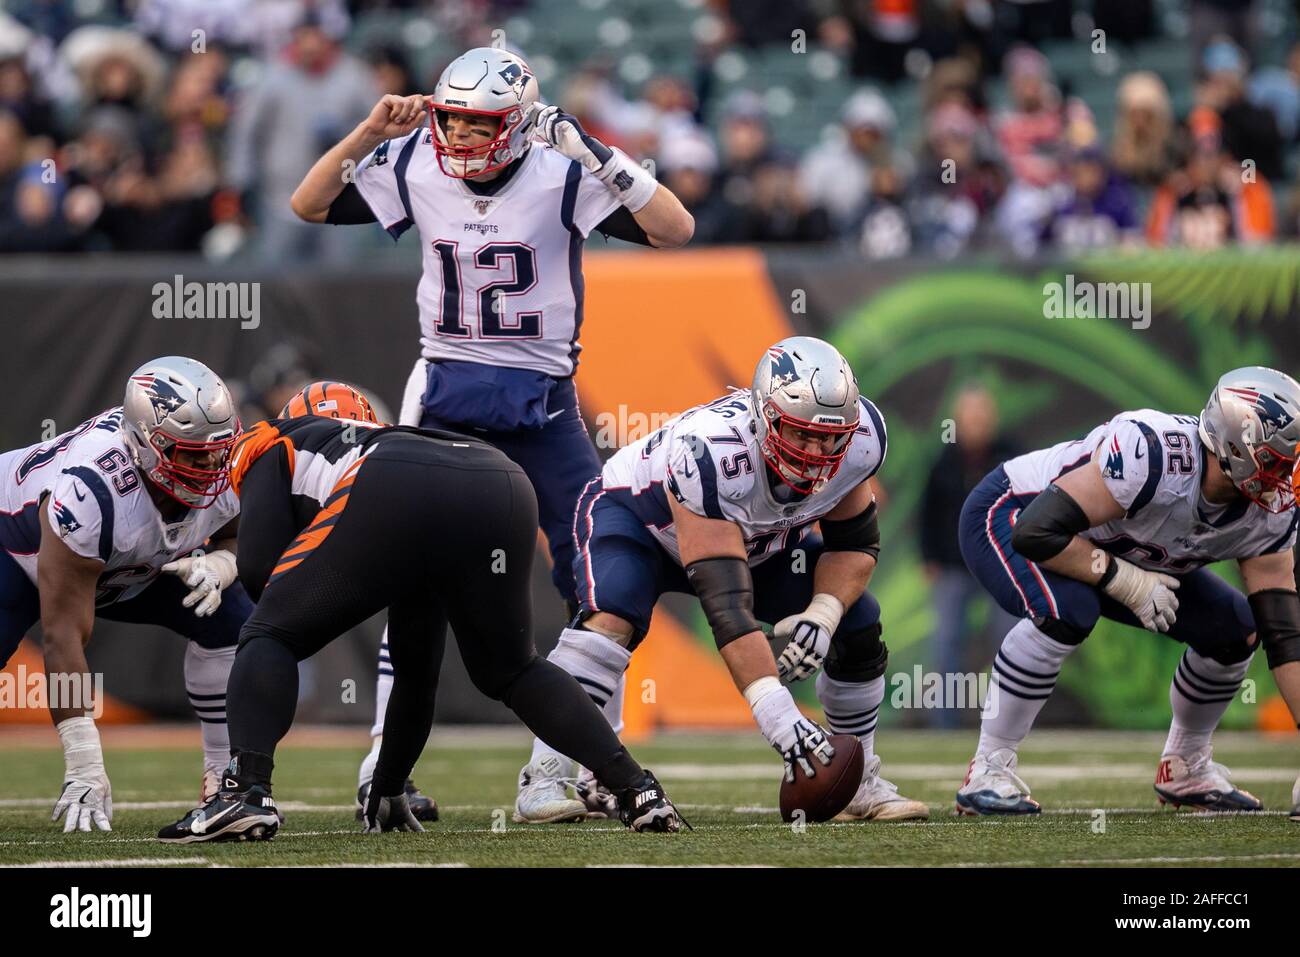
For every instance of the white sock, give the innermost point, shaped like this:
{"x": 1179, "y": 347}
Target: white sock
{"x": 852, "y": 707}
{"x": 383, "y": 687}
{"x": 370, "y": 760}
{"x": 1199, "y": 694}
{"x": 1024, "y": 674}
{"x": 598, "y": 663}
{"x": 207, "y": 670}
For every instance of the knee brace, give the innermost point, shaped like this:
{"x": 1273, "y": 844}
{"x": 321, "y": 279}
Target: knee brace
{"x": 857, "y": 655}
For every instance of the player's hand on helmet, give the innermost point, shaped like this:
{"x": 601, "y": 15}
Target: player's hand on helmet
{"x": 206, "y": 576}
{"x": 86, "y": 799}
{"x": 808, "y": 637}
{"x": 388, "y": 814}
{"x": 809, "y": 746}
{"x": 563, "y": 131}
{"x": 395, "y": 116}
{"x": 1149, "y": 595}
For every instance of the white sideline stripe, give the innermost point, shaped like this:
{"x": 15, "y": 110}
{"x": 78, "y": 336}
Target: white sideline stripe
{"x": 944, "y": 772}
{"x": 124, "y": 862}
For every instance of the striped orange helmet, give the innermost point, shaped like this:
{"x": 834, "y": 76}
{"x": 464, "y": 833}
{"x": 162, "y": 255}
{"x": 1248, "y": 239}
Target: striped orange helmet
{"x": 334, "y": 400}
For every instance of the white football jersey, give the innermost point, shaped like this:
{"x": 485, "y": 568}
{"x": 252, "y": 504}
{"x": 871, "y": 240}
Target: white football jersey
{"x": 709, "y": 459}
{"x": 502, "y": 282}
{"x": 99, "y": 506}
{"x": 1152, "y": 463}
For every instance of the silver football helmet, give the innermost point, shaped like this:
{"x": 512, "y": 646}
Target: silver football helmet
{"x": 494, "y": 84}
{"x": 1252, "y": 425}
{"x": 181, "y": 426}
{"x": 805, "y": 384}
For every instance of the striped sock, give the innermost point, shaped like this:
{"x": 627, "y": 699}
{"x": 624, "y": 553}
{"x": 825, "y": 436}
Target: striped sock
{"x": 597, "y": 663}
{"x": 1199, "y": 694}
{"x": 1024, "y": 674}
{"x": 207, "y": 671}
{"x": 383, "y": 686}
{"x": 852, "y": 707}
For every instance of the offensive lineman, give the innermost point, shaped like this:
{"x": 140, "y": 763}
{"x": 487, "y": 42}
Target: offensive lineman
{"x": 502, "y": 223}
{"x": 87, "y": 523}
{"x": 338, "y": 517}
{"x": 718, "y": 503}
{"x": 1123, "y": 523}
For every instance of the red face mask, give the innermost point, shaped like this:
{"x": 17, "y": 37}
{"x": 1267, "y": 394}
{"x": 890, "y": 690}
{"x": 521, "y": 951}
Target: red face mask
{"x": 795, "y": 466}
{"x": 205, "y": 484}
{"x": 452, "y": 160}
{"x": 1274, "y": 473}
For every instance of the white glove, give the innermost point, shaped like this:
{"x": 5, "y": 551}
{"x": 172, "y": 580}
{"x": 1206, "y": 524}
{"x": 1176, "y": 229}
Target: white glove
{"x": 207, "y": 575}
{"x": 809, "y": 634}
{"x": 87, "y": 797}
{"x": 789, "y": 733}
{"x": 1149, "y": 595}
{"x": 626, "y": 179}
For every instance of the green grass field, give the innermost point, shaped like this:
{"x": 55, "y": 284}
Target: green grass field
{"x": 725, "y": 785}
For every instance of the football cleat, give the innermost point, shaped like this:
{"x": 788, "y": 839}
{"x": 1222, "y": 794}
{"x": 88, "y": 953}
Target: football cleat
{"x": 646, "y": 808}
{"x": 1196, "y": 781}
{"x": 992, "y": 786}
{"x": 422, "y": 806}
{"x": 544, "y": 797}
{"x": 879, "y": 800}
{"x": 249, "y": 815}
{"x": 600, "y": 800}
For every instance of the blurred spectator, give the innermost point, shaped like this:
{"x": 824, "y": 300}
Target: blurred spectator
{"x": 299, "y": 108}
{"x": 960, "y": 181}
{"x": 18, "y": 95}
{"x": 746, "y": 145}
{"x": 30, "y": 216}
{"x": 886, "y": 232}
{"x": 875, "y": 35}
{"x": 1249, "y": 132}
{"x": 1098, "y": 210}
{"x": 1277, "y": 89}
{"x": 265, "y": 25}
{"x": 392, "y": 71}
{"x": 688, "y": 166}
{"x": 973, "y": 449}
{"x": 1143, "y": 148}
{"x": 1030, "y": 131}
{"x": 1210, "y": 19}
{"x": 777, "y": 210}
{"x": 1208, "y": 203}
{"x": 836, "y": 174}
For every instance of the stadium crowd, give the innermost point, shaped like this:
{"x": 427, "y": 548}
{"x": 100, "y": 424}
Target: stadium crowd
{"x": 131, "y": 132}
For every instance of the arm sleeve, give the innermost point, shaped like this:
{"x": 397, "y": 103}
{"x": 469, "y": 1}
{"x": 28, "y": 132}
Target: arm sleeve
{"x": 621, "y": 224}
{"x": 381, "y": 181}
{"x": 593, "y": 203}
{"x": 1131, "y": 461}
{"x": 267, "y": 523}
{"x": 80, "y": 512}
{"x": 349, "y": 208}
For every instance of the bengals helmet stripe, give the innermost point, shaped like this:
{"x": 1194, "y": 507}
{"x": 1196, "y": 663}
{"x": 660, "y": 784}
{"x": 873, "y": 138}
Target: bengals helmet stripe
{"x": 335, "y": 400}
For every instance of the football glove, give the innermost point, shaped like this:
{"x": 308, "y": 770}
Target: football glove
{"x": 1149, "y": 595}
{"x": 627, "y": 180}
{"x": 388, "y": 814}
{"x": 87, "y": 796}
{"x": 808, "y": 637}
{"x": 207, "y": 576}
{"x": 807, "y": 740}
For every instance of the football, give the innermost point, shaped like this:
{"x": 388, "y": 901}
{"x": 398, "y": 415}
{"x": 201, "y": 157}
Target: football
{"x": 829, "y": 791}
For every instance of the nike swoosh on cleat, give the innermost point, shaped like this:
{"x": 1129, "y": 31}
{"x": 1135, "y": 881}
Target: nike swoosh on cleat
{"x": 201, "y": 827}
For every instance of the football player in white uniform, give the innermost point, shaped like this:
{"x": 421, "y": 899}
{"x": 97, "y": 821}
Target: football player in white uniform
{"x": 89, "y": 521}
{"x": 719, "y": 503}
{"x": 1123, "y": 523}
{"x": 502, "y": 223}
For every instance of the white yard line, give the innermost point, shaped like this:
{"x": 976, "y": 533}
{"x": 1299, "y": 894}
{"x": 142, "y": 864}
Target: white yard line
{"x": 124, "y": 862}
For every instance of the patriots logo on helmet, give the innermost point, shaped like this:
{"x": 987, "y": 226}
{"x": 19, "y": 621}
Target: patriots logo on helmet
{"x": 67, "y": 521}
{"x": 162, "y": 397}
{"x": 515, "y": 76}
{"x": 1272, "y": 417}
{"x": 783, "y": 370}
{"x": 1114, "y": 462}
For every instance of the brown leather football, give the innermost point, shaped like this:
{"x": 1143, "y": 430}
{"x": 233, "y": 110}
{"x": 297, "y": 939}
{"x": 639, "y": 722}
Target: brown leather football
{"x": 830, "y": 789}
